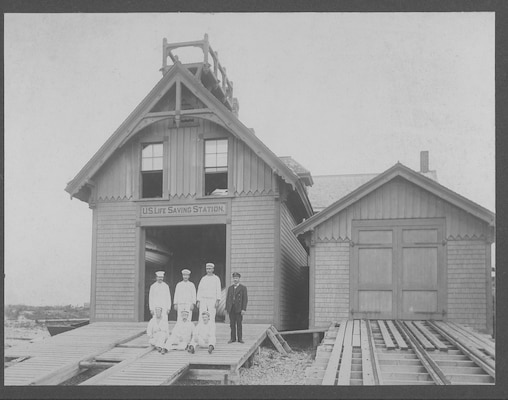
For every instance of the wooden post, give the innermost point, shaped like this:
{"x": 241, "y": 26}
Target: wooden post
{"x": 315, "y": 339}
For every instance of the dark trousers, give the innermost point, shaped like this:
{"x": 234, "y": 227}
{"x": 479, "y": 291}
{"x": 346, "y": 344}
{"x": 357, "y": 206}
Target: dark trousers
{"x": 235, "y": 323}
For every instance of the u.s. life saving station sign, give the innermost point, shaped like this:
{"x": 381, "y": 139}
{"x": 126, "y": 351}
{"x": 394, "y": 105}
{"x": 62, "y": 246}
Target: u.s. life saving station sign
{"x": 184, "y": 210}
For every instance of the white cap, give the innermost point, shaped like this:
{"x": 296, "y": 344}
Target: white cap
{"x": 185, "y": 271}
{"x": 185, "y": 311}
{"x": 160, "y": 274}
{"x": 210, "y": 265}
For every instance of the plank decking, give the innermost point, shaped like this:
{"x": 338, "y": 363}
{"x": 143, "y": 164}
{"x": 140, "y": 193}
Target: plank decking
{"x": 386, "y": 352}
{"x": 57, "y": 358}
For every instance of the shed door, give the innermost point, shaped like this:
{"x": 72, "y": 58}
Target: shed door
{"x": 398, "y": 269}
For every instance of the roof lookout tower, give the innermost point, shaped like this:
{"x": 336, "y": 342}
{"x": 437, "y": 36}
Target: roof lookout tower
{"x": 220, "y": 86}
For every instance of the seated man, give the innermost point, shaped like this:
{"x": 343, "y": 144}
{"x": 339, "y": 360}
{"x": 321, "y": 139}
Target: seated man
{"x": 204, "y": 334}
{"x": 157, "y": 330}
{"x": 181, "y": 334}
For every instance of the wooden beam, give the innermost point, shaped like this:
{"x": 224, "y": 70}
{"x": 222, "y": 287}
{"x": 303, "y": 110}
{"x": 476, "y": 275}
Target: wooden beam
{"x": 281, "y": 339}
{"x": 303, "y": 331}
{"x": 378, "y": 378}
{"x": 345, "y": 363}
{"x": 423, "y": 340}
{"x": 356, "y": 333}
{"x": 432, "y": 338}
{"x": 386, "y": 336}
{"x": 398, "y": 338}
{"x": 276, "y": 342}
{"x": 466, "y": 346}
{"x": 333, "y": 361}
{"x": 367, "y": 360}
{"x": 430, "y": 365}
{"x": 482, "y": 343}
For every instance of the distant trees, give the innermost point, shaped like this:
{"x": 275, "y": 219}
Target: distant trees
{"x": 14, "y": 311}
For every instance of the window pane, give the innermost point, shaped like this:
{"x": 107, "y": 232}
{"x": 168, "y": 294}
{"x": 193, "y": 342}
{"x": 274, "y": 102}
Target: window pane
{"x": 210, "y": 146}
{"x": 147, "y": 151}
{"x": 222, "y": 146}
{"x": 146, "y": 164}
{"x": 222, "y": 160}
{"x": 157, "y": 163}
{"x": 210, "y": 160}
{"x": 157, "y": 150}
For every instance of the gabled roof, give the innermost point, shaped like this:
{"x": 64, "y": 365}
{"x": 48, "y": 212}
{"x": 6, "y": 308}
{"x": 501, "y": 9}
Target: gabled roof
{"x": 328, "y": 188}
{"x": 216, "y": 110}
{"x": 298, "y": 169}
{"x": 398, "y": 170}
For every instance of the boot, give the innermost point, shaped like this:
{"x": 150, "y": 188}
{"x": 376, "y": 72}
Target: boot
{"x": 191, "y": 349}
{"x": 210, "y": 349}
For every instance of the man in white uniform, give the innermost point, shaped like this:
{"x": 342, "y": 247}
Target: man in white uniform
{"x": 209, "y": 292}
{"x": 157, "y": 330}
{"x": 160, "y": 295}
{"x": 204, "y": 334}
{"x": 185, "y": 295}
{"x": 181, "y": 334}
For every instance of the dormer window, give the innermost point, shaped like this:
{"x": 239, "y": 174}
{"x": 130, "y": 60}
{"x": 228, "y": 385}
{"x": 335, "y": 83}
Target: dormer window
{"x": 151, "y": 170}
{"x": 216, "y": 167}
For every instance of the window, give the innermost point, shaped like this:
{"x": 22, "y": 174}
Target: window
{"x": 216, "y": 167}
{"x": 151, "y": 170}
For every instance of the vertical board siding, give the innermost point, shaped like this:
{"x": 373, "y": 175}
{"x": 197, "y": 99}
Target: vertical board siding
{"x": 253, "y": 253}
{"x": 400, "y": 198}
{"x": 467, "y": 290}
{"x": 293, "y": 311}
{"x": 331, "y": 287}
{"x": 252, "y": 175}
{"x": 115, "y": 287}
{"x": 116, "y": 179}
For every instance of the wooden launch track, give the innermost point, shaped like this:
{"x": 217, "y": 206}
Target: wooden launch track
{"x": 122, "y": 353}
{"x": 389, "y": 352}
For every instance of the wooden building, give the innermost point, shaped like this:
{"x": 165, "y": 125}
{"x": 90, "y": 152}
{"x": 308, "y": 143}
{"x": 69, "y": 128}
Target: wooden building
{"x": 183, "y": 182}
{"x": 399, "y": 246}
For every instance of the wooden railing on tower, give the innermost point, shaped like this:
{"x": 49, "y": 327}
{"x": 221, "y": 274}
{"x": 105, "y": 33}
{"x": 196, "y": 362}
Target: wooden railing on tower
{"x": 220, "y": 86}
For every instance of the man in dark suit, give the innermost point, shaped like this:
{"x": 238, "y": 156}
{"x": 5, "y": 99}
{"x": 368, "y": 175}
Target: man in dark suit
{"x": 236, "y": 306}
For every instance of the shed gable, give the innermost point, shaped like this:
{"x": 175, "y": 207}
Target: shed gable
{"x": 401, "y": 199}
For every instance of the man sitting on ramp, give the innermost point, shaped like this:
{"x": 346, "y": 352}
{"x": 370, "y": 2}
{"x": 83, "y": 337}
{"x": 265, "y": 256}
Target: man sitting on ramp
{"x": 181, "y": 334}
{"x": 204, "y": 334}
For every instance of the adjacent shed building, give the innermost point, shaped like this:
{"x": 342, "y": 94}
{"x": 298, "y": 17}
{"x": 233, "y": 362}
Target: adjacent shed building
{"x": 400, "y": 246}
{"x": 183, "y": 182}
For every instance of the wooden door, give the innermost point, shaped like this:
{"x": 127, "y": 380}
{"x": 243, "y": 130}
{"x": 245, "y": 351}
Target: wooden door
{"x": 421, "y": 277}
{"x": 397, "y": 269}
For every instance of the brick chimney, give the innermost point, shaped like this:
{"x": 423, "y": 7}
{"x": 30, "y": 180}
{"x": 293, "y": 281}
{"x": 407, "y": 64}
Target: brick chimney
{"x": 424, "y": 161}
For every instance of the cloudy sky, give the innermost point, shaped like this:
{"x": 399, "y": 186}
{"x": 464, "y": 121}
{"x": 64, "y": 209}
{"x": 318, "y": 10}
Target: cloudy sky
{"x": 339, "y": 92}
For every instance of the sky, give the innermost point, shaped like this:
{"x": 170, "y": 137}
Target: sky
{"x": 341, "y": 93}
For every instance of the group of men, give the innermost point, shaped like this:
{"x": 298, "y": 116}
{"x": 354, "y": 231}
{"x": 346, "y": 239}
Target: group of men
{"x": 185, "y": 335}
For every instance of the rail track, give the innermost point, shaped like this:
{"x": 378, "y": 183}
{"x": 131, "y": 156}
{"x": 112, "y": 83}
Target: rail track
{"x": 392, "y": 352}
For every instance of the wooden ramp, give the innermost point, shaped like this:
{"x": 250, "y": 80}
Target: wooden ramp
{"x": 125, "y": 346}
{"x": 154, "y": 368}
{"x": 391, "y": 352}
{"x": 56, "y": 359}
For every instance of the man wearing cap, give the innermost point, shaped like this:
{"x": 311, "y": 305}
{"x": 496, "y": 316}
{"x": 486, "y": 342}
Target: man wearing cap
{"x": 236, "y": 306}
{"x": 185, "y": 295}
{"x": 209, "y": 292}
{"x": 157, "y": 330}
{"x": 204, "y": 334}
{"x": 160, "y": 295}
{"x": 181, "y": 334}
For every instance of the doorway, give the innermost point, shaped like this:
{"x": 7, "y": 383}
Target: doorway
{"x": 173, "y": 248}
{"x": 398, "y": 269}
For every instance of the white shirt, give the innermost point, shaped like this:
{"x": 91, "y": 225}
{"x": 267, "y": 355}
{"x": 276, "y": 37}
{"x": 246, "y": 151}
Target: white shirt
{"x": 183, "y": 331}
{"x": 159, "y": 296}
{"x": 209, "y": 288}
{"x": 204, "y": 332}
{"x": 185, "y": 293}
{"x": 157, "y": 325}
